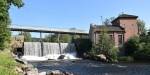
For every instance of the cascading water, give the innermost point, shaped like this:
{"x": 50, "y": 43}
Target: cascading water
{"x": 50, "y": 50}
{"x": 32, "y": 48}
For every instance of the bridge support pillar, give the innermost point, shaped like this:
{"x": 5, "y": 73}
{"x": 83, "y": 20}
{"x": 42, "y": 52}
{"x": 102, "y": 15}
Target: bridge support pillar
{"x": 41, "y": 44}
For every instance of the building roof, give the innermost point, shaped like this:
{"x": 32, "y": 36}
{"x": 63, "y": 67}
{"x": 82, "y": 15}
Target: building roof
{"x": 108, "y": 27}
{"x": 125, "y": 16}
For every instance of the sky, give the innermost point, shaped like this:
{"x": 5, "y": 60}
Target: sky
{"x": 76, "y": 13}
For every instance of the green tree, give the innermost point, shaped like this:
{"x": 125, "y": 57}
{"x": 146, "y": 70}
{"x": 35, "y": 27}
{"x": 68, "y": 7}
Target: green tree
{"x": 106, "y": 46}
{"x": 141, "y": 27}
{"x": 65, "y": 38}
{"x": 27, "y": 36}
{"x": 5, "y": 20}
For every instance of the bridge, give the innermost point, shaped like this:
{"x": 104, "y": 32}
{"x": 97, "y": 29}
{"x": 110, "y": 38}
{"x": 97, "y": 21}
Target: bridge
{"x": 40, "y": 50}
{"x": 48, "y": 30}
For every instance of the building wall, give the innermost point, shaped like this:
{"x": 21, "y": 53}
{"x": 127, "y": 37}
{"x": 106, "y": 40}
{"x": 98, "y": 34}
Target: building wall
{"x": 114, "y": 35}
{"x": 130, "y": 26}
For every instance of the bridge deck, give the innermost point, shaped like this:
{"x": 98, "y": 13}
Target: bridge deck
{"x": 48, "y": 30}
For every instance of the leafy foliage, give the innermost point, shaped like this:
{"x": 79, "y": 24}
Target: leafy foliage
{"x": 132, "y": 45}
{"x": 83, "y": 46}
{"x": 7, "y": 64}
{"x": 5, "y": 20}
{"x": 125, "y": 59}
{"x": 108, "y": 21}
{"x": 64, "y": 38}
{"x": 141, "y": 26}
{"x": 27, "y": 36}
{"x": 139, "y": 47}
{"x": 105, "y": 46}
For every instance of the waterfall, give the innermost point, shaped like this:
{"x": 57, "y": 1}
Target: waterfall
{"x": 34, "y": 48}
{"x": 51, "y": 48}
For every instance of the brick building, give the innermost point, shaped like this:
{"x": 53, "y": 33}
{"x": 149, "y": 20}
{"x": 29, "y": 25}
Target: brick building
{"x": 123, "y": 27}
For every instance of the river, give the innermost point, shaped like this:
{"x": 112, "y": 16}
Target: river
{"x": 88, "y": 67}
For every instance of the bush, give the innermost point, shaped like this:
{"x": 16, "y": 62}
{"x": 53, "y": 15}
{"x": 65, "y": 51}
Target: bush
{"x": 82, "y": 46}
{"x": 125, "y": 59}
{"x": 143, "y": 53}
{"x": 131, "y": 46}
{"x": 113, "y": 54}
{"x": 138, "y": 47}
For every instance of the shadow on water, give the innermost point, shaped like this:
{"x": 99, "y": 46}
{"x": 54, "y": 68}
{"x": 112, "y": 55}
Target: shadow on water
{"x": 88, "y": 67}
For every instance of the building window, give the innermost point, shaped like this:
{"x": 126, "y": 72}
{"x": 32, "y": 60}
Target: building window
{"x": 120, "y": 39}
{"x": 111, "y": 37}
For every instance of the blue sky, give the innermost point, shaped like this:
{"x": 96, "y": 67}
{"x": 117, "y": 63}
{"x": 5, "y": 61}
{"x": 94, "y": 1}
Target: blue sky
{"x": 76, "y": 13}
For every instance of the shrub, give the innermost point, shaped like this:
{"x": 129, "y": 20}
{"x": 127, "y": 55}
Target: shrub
{"x": 143, "y": 53}
{"x": 125, "y": 59}
{"x": 82, "y": 46}
{"x": 131, "y": 46}
{"x": 138, "y": 47}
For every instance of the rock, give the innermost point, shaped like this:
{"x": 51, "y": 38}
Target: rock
{"x": 19, "y": 70}
{"x": 58, "y": 72}
{"x": 55, "y": 72}
{"x": 68, "y": 73}
{"x": 32, "y": 72}
{"x": 61, "y": 57}
{"x": 42, "y": 73}
{"x": 102, "y": 57}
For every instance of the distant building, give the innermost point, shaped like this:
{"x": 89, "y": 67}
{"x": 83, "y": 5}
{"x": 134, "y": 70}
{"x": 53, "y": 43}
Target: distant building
{"x": 122, "y": 28}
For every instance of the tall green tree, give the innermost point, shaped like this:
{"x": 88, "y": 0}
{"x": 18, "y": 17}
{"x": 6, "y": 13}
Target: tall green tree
{"x": 5, "y": 20}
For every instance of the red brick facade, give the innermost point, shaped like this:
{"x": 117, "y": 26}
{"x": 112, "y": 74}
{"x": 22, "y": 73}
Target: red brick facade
{"x": 122, "y": 28}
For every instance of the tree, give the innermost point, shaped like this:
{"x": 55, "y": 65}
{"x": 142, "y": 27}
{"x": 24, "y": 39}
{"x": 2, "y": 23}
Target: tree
{"x": 141, "y": 27}
{"x": 27, "y": 36}
{"x": 108, "y": 21}
{"x": 106, "y": 46}
{"x": 65, "y": 38}
{"x": 5, "y": 20}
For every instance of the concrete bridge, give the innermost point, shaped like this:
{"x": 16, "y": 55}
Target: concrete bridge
{"x": 48, "y": 30}
{"x": 41, "y": 45}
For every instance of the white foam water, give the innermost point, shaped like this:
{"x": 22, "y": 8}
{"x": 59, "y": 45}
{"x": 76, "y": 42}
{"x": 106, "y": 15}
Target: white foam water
{"x": 32, "y": 51}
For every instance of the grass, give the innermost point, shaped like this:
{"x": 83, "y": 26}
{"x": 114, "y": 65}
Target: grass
{"x": 7, "y": 63}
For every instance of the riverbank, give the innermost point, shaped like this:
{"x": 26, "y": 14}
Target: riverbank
{"x": 7, "y": 63}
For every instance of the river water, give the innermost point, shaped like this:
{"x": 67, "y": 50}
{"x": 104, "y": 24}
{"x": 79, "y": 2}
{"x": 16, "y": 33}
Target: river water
{"x": 88, "y": 67}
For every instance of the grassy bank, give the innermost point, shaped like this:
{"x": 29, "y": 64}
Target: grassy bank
{"x": 7, "y": 63}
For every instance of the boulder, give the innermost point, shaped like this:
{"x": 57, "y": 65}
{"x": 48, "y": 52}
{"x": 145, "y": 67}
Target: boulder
{"x": 58, "y": 72}
{"x": 32, "y": 72}
{"x": 61, "y": 57}
{"x": 101, "y": 57}
{"x": 55, "y": 72}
